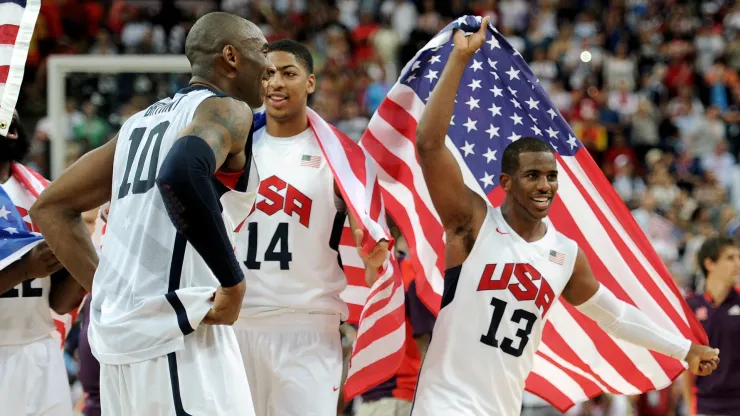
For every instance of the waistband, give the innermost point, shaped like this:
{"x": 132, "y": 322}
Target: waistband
{"x": 290, "y": 320}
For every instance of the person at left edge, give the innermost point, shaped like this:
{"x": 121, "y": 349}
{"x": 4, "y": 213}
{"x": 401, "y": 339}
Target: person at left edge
{"x": 33, "y": 378}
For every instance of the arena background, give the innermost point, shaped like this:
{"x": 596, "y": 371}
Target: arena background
{"x": 650, "y": 87}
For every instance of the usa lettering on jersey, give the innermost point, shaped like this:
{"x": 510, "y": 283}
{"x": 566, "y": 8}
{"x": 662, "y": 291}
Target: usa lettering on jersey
{"x": 497, "y": 277}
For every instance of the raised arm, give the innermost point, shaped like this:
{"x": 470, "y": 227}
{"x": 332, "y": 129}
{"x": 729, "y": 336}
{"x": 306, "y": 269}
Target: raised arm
{"x": 626, "y": 322}
{"x": 58, "y": 211}
{"x": 460, "y": 208}
{"x": 219, "y": 127}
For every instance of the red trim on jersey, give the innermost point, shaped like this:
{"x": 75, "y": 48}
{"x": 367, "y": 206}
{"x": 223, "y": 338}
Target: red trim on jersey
{"x": 229, "y": 178}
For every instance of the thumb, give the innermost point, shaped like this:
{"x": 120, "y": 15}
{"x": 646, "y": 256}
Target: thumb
{"x": 483, "y": 26}
{"x": 358, "y": 237}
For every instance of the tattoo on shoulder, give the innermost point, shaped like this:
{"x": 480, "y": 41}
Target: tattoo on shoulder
{"x": 223, "y": 122}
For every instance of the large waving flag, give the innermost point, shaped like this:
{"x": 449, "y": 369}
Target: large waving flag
{"x": 378, "y": 311}
{"x": 17, "y": 21}
{"x": 500, "y": 101}
{"x": 18, "y": 235}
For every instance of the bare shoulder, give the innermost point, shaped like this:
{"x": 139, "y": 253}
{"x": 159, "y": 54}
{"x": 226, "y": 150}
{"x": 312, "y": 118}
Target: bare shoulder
{"x": 223, "y": 122}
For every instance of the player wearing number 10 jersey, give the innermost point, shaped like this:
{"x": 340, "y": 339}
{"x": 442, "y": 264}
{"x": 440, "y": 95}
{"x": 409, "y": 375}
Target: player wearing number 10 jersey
{"x": 505, "y": 268}
{"x": 168, "y": 284}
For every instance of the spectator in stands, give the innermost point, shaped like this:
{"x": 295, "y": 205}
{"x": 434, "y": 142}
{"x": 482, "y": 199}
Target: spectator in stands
{"x": 718, "y": 309}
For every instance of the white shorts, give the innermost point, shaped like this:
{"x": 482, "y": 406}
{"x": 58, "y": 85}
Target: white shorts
{"x": 293, "y": 363}
{"x": 206, "y": 378}
{"x": 34, "y": 380}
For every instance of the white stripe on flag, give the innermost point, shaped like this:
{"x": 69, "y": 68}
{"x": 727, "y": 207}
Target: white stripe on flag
{"x": 583, "y": 178}
{"x": 560, "y": 379}
{"x": 545, "y": 350}
{"x": 10, "y": 14}
{"x": 609, "y": 254}
{"x": 6, "y": 54}
{"x": 355, "y": 295}
{"x": 582, "y": 344}
{"x": 378, "y": 350}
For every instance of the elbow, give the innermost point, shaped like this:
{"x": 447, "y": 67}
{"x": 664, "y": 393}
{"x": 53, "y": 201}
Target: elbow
{"x": 423, "y": 145}
{"x": 40, "y": 210}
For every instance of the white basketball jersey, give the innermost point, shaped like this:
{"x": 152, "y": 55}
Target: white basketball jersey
{"x": 288, "y": 247}
{"x": 24, "y": 310}
{"x": 488, "y": 329}
{"x": 151, "y": 287}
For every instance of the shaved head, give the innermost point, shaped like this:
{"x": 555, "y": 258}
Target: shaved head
{"x": 214, "y": 31}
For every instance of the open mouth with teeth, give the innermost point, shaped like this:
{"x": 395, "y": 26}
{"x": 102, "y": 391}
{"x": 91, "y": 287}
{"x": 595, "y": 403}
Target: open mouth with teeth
{"x": 277, "y": 100}
{"x": 542, "y": 202}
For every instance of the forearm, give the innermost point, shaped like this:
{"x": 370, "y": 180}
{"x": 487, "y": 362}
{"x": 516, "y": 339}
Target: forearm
{"x": 187, "y": 190}
{"x": 687, "y": 390}
{"x": 626, "y": 322}
{"x": 12, "y": 276}
{"x": 435, "y": 120}
{"x": 68, "y": 237}
{"x": 66, "y": 293}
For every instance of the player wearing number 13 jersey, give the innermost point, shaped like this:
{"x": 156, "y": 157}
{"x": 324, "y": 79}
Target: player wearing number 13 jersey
{"x": 505, "y": 268}
{"x": 168, "y": 284}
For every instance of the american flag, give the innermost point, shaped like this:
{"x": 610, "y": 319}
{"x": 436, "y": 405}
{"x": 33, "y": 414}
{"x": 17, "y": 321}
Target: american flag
{"x": 378, "y": 311}
{"x": 17, "y": 20}
{"x": 556, "y": 257}
{"x": 17, "y": 238}
{"x": 311, "y": 161}
{"x": 500, "y": 101}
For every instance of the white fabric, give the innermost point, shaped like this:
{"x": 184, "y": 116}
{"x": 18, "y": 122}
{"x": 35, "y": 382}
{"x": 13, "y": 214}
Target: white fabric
{"x": 293, "y": 363}
{"x": 34, "y": 380}
{"x": 626, "y": 322}
{"x": 462, "y": 375}
{"x": 130, "y": 318}
{"x": 24, "y": 310}
{"x": 293, "y": 221}
{"x": 210, "y": 376}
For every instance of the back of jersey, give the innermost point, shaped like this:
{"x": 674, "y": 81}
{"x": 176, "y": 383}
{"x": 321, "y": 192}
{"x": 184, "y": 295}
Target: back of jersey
{"x": 151, "y": 287}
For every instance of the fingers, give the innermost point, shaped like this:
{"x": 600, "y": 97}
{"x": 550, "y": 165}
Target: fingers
{"x": 358, "y": 237}
{"x": 484, "y": 26}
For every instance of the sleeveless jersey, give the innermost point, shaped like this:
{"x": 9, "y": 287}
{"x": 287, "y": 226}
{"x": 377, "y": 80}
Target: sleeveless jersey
{"x": 151, "y": 287}
{"x": 493, "y": 312}
{"x": 25, "y": 316}
{"x": 288, "y": 247}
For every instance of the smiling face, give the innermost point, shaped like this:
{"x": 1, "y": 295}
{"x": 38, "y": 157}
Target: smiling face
{"x": 533, "y": 186}
{"x": 288, "y": 86}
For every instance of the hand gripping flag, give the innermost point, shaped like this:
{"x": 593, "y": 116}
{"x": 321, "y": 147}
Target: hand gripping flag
{"x": 498, "y": 102}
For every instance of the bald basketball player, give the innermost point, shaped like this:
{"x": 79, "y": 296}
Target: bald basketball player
{"x": 499, "y": 282}
{"x": 168, "y": 262}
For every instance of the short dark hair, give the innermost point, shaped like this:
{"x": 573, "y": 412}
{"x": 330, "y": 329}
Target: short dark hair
{"x": 510, "y": 159}
{"x": 301, "y": 53}
{"x": 712, "y": 249}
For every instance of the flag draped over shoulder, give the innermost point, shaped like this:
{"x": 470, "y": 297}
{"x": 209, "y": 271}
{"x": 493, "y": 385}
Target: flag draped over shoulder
{"x": 18, "y": 235}
{"x": 17, "y": 21}
{"x": 378, "y": 311}
{"x": 499, "y": 101}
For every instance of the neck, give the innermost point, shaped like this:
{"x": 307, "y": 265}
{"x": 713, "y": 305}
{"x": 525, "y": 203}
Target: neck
{"x": 5, "y": 171}
{"x": 718, "y": 289}
{"x": 288, "y": 127}
{"x": 529, "y": 228}
{"x": 216, "y": 85}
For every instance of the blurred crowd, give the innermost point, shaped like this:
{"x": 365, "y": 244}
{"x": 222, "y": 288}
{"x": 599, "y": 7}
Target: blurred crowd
{"x": 650, "y": 87}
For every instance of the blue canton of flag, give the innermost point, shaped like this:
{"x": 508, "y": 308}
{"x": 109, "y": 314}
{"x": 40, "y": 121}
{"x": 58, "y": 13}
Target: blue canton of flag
{"x": 15, "y": 237}
{"x": 499, "y": 101}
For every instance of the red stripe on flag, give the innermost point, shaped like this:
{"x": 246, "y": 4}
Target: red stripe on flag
{"x": 375, "y": 202}
{"x": 589, "y": 387}
{"x": 8, "y": 33}
{"x": 399, "y": 118}
{"x": 627, "y": 255}
{"x": 630, "y": 225}
{"x": 374, "y": 307}
{"x": 565, "y": 224}
{"x": 4, "y": 70}
{"x": 372, "y": 375}
{"x": 382, "y": 327}
{"x": 548, "y": 392}
{"x": 559, "y": 346}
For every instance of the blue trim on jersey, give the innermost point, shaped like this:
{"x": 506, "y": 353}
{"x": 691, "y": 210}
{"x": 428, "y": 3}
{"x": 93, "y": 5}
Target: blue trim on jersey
{"x": 452, "y": 276}
{"x": 201, "y": 87}
{"x": 178, "y": 255}
{"x": 175, "y": 383}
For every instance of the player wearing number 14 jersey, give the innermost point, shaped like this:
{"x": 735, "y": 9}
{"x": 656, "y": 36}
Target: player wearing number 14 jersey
{"x": 505, "y": 268}
{"x": 288, "y": 329}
